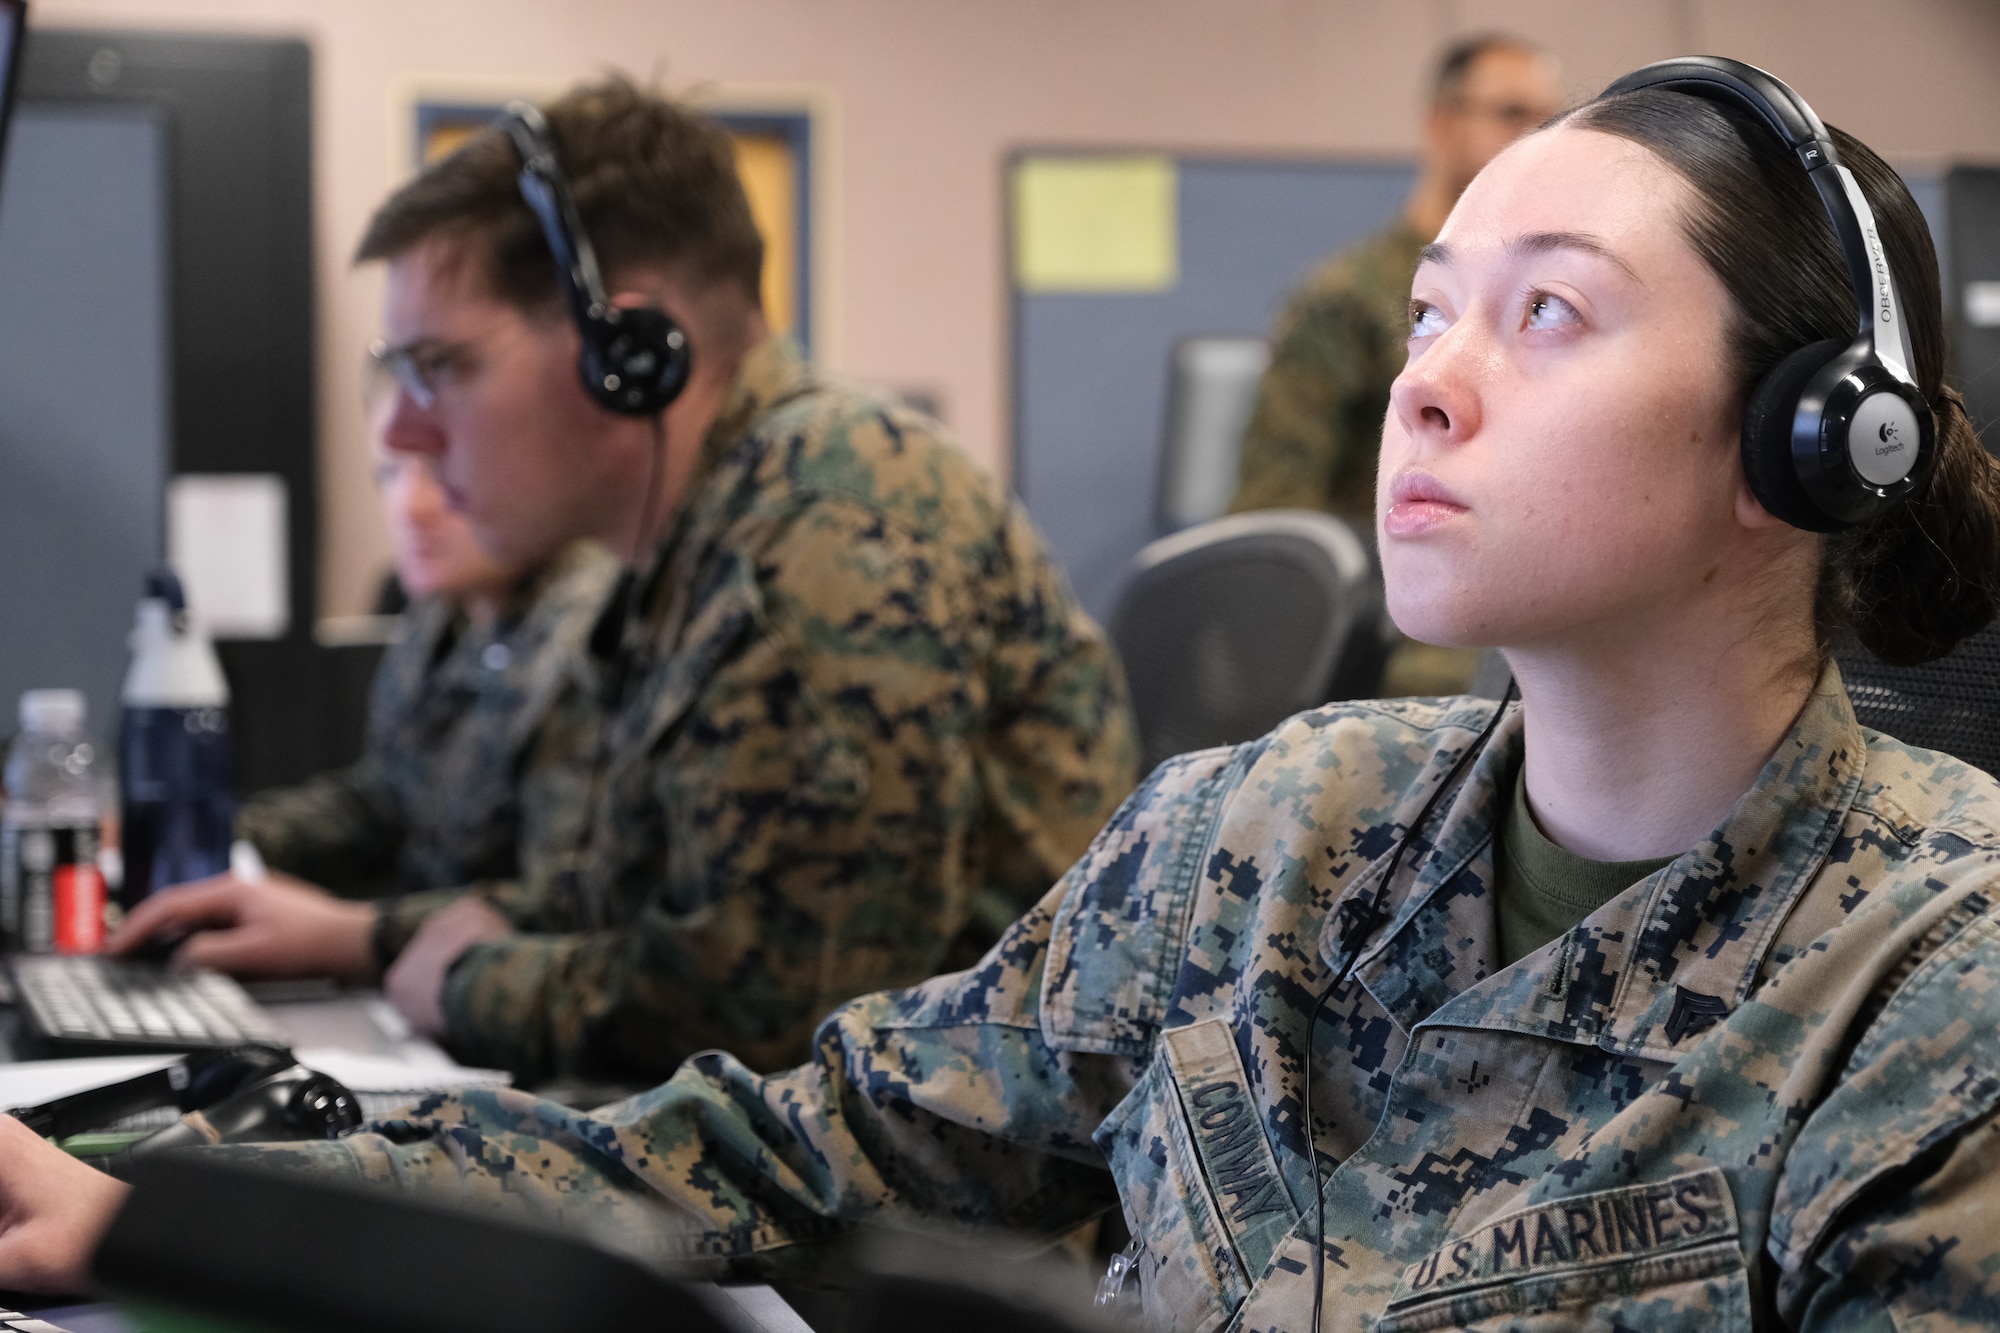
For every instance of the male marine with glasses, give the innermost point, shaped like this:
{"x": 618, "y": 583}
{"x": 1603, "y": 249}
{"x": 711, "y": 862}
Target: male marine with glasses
{"x": 840, "y": 724}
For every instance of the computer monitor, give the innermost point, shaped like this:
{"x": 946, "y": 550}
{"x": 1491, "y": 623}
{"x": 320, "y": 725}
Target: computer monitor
{"x": 13, "y": 19}
{"x": 1212, "y": 389}
{"x": 86, "y": 390}
{"x": 213, "y": 1244}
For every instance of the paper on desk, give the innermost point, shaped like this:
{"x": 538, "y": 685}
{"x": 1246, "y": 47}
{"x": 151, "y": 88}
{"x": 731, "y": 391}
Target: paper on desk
{"x": 32, "y": 1082}
{"x": 389, "y": 1074}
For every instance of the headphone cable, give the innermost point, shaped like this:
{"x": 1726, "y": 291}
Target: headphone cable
{"x": 611, "y": 695}
{"x": 1363, "y": 919}
{"x": 656, "y": 465}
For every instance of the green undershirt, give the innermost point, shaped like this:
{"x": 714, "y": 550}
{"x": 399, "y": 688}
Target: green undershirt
{"x": 1541, "y": 890}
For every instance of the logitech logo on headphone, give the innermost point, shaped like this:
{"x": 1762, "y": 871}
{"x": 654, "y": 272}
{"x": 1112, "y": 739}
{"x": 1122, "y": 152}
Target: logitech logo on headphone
{"x": 1892, "y": 439}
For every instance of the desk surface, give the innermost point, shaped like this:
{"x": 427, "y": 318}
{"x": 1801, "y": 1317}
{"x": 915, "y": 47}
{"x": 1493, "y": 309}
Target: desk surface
{"x": 313, "y": 1016}
{"x": 362, "y": 1022}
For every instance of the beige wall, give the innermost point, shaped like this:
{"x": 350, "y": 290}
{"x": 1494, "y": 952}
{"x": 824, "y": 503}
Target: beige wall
{"x": 928, "y": 97}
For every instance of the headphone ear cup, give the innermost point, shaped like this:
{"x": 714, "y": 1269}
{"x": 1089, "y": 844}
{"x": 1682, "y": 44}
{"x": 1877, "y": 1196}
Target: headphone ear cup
{"x": 1767, "y": 437}
{"x": 636, "y": 365}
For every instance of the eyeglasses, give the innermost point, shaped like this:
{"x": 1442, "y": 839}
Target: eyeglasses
{"x": 421, "y": 368}
{"x": 1515, "y": 115}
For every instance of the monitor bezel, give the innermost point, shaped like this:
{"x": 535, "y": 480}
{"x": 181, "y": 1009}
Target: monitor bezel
{"x": 14, "y": 23}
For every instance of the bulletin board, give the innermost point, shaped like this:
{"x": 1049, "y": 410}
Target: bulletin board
{"x": 774, "y": 159}
{"x": 1113, "y": 259}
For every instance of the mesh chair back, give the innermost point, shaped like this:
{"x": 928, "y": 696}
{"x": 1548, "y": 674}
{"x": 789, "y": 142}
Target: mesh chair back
{"x": 1212, "y": 389}
{"x": 1952, "y": 704}
{"x": 1493, "y": 676}
{"x": 1231, "y": 627}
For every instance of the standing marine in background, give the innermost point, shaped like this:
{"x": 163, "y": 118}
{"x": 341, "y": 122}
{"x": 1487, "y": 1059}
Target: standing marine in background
{"x": 457, "y": 704}
{"x": 1313, "y": 435}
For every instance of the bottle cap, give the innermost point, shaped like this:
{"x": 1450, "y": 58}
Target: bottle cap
{"x": 165, "y": 585}
{"x": 52, "y": 710}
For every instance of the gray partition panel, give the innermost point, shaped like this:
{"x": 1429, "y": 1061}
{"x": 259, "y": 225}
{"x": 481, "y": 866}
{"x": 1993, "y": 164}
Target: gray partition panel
{"x": 84, "y": 400}
{"x": 1090, "y": 371}
{"x": 1973, "y": 198}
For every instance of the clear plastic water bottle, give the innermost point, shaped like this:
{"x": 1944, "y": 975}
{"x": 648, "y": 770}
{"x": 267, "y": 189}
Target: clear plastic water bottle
{"x": 176, "y": 804}
{"x": 52, "y": 895}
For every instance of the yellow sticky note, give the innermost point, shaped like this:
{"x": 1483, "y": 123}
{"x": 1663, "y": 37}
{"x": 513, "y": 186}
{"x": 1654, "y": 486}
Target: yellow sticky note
{"x": 1096, "y": 224}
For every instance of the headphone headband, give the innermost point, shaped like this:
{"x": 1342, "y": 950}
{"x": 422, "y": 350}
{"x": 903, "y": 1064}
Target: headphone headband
{"x": 1773, "y": 103}
{"x": 634, "y": 361}
{"x": 1837, "y": 432}
{"x": 546, "y": 192}
{"x": 1765, "y": 96}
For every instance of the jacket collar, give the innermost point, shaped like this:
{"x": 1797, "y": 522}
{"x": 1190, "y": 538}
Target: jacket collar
{"x": 772, "y": 373}
{"x": 666, "y": 625}
{"x": 1655, "y": 967}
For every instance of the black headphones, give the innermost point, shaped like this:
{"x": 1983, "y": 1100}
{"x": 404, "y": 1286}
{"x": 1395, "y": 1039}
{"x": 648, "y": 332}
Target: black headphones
{"x": 1837, "y": 432}
{"x": 634, "y": 360}
{"x": 232, "y": 1094}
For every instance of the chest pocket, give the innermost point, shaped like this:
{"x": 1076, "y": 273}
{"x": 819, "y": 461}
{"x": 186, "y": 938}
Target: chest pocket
{"x": 1663, "y": 1256}
{"x": 1201, "y": 1185}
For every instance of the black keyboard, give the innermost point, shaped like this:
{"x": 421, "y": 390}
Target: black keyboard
{"x": 15, "y": 1322}
{"x": 82, "y": 1002}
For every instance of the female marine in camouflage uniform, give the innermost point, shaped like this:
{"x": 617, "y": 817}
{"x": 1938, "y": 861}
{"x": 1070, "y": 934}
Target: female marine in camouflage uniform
{"x": 1755, "y": 1087}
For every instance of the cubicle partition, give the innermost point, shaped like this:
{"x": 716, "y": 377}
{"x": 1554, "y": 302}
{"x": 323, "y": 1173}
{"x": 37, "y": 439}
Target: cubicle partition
{"x": 1971, "y": 203}
{"x": 1091, "y": 351}
{"x": 156, "y": 218}
{"x": 85, "y": 392}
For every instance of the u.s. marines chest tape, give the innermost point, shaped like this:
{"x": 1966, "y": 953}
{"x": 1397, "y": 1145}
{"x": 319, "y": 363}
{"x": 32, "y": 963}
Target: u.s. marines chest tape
{"x": 1660, "y": 1231}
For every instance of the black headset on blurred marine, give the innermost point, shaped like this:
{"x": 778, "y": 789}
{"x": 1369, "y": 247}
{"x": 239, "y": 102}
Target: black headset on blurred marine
{"x": 634, "y": 359}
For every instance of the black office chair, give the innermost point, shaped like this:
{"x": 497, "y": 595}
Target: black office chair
{"x": 1231, "y": 627}
{"x": 206, "y": 1244}
{"x": 1491, "y": 679}
{"x": 1952, "y": 704}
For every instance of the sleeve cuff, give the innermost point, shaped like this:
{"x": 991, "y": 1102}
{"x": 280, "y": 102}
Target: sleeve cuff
{"x": 398, "y": 919}
{"x": 496, "y": 1003}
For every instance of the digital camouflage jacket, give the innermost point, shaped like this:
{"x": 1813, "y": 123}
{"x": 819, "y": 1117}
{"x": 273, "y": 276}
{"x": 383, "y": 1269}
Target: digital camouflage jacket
{"x": 1755, "y": 1090}
{"x": 855, "y": 714}
{"x": 453, "y": 716}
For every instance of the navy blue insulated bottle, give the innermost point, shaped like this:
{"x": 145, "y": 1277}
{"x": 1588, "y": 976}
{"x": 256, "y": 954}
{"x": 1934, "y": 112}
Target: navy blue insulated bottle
{"x": 177, "y": 808}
